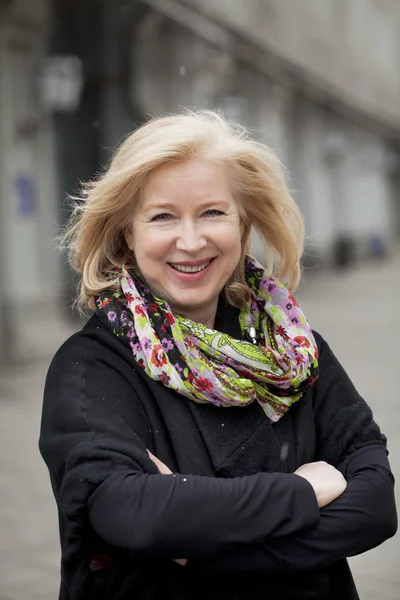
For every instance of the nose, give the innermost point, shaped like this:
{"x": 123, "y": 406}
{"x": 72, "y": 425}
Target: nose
{"x": 190, "y": 238}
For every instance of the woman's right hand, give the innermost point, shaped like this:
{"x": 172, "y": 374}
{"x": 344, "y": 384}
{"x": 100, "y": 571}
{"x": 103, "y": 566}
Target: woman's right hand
{"x": 328, "y": 483}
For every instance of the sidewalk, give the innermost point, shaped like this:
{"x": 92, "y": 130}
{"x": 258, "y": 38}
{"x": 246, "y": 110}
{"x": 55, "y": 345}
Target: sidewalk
{"x": 29, "y": 555}
{"x": 357, "y": 312}
{"x": 344, "y": 308}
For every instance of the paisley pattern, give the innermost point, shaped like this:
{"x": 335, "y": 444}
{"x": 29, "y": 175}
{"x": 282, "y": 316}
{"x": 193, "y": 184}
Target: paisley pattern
{"x": 206, "y": 365}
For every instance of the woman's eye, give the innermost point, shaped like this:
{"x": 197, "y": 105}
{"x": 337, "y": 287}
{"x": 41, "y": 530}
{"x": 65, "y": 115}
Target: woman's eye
{"x": 213, "y": 212}
{"x": 162, "y": 217}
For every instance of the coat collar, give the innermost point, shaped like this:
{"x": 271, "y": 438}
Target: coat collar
{"x": 239, "y": 440}
{"x": 227, "y": 319}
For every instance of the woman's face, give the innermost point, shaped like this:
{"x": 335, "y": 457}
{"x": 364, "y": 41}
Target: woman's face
{"x": 186, "y": 236}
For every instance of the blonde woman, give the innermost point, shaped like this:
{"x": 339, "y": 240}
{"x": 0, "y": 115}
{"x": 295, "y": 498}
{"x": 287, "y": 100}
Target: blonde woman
{"x": 202, "y": 440}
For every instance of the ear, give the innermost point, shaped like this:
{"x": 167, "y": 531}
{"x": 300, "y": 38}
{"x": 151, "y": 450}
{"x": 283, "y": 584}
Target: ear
{"x": 128, "y": 236}
{"x": 245, "y": 240}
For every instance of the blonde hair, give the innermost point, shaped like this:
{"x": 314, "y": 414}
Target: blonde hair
{"x": 94, "y": 238}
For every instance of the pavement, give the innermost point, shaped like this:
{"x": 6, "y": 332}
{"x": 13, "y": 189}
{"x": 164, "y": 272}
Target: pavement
{"x": 357, "y": 311}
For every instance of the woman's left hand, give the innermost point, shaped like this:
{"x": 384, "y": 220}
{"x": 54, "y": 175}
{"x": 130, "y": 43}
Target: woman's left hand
{"x": 164, "y": 470}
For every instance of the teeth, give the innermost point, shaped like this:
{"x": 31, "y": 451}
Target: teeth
{"x": 191, "y": 269}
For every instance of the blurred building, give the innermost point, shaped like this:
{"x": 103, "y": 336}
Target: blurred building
{"x": 317, "y": 80}
{"x": 28, "y": 202}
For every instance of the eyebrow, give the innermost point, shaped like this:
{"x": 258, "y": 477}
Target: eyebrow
{"x": 168, "y": 204}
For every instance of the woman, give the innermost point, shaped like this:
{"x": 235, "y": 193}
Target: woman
{"x": 202, "y": 441}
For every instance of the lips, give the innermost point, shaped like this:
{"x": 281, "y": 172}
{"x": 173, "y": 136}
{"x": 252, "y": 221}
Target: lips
{"x": 191, "y": 267}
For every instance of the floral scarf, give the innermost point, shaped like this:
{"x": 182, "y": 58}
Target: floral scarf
{"x": 206, "y": 365}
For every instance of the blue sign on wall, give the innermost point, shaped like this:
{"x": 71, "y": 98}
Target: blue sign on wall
{"x": 26, "y": 197}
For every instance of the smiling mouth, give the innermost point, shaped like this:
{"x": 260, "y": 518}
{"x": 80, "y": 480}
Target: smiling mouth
{"x": 191, "y": 269}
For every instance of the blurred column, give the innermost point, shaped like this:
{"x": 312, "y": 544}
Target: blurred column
{"x": 6, "y": 331}
{"x": 120, "y": 112}
{"x": 78, "y": 35}
{"x": 23, "y": 171}
{"x": 100, "y": 36}
{"x": 299, "y": 161}
{"x": 393, "y": 172}
{"x": 9, "y": 50}
{"x": 334, "y": 150}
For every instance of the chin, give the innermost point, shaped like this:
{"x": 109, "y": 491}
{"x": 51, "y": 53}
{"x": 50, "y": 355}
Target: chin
{"x": 187, "y": 305}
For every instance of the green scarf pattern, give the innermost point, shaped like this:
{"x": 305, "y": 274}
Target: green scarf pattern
{"x": 206, "y": 365}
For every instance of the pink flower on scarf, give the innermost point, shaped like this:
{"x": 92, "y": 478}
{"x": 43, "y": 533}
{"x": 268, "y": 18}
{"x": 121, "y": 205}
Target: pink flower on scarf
{"x": 167, "y": 344}
{"x": 112, "y": 316}
{"x": 146, "y": 343}
{"x": 134, "y": 347}
{"x": 178, "y": 368}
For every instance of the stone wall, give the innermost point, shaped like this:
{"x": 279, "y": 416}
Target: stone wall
{"x": 352, "y": 46}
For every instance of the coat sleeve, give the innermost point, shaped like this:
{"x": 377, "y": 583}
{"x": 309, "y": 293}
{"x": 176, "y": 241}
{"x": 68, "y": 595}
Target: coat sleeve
{"x": 363, "y": 517}
{"x": 102, "y": 475}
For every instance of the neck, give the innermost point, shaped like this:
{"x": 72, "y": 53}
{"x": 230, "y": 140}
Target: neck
{"x": 205, "y": 316}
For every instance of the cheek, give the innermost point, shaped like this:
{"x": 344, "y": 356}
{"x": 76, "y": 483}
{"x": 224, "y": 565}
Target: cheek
{"x": 149, "y": 245}
{"x": 228, "y": 234}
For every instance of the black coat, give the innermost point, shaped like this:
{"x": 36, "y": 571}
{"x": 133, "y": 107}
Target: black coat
{"x": 250, "y": 528}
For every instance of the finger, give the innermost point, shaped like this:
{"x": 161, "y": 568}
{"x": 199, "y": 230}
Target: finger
{"x": 181, "y": 561}
{"x": 164, "y": 470}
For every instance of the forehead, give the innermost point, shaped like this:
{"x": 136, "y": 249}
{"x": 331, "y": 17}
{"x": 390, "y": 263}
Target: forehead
{"x": 192, "y": 179}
